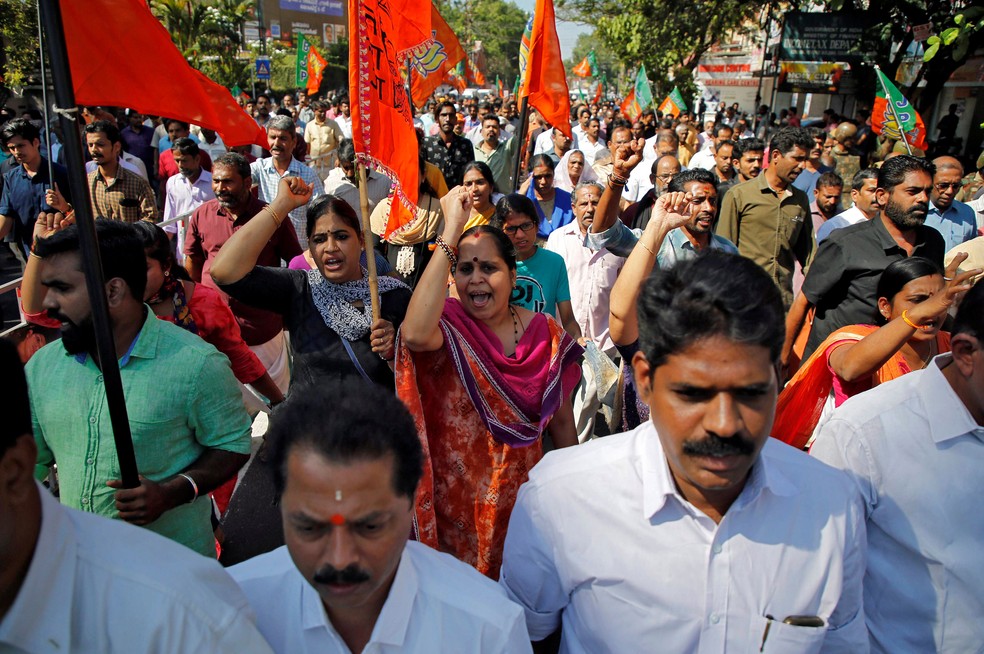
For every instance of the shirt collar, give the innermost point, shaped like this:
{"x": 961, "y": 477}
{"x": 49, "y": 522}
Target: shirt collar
{"x": 950, "y": 416}
{"x": 142, "y": 348}
{"x": 881, "y": 233}
{"x": 52, "y": 570}
{"x": 291, "y": 167}
{"x": 394, "y": 618}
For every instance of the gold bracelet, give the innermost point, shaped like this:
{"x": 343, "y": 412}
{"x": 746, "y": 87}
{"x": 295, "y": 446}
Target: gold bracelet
{"x": 648, "y": 249}
{"x": 276, "y": 219}
{"x": 34, "y": 254}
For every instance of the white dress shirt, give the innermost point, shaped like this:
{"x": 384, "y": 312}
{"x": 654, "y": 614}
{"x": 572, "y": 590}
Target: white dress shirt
{"x": 436, "y": 604}
{"x": 266, "y": 177}
{"x": 344, "y": 124}
{"x": 544, "y": 142}
{"x": 590, "y": 149}
{"x": 601, "y": 540}
{"x": 639, "y": 183}
{"x": 845, "y": 218}
{"x": 100, "y": 585}
{"x": 916, "y": 454}
{"x": 181, "y": 197}
{"x": 336, "y": 183}
{"x": 591, "y": 275}
{"x": 703, "y": 159}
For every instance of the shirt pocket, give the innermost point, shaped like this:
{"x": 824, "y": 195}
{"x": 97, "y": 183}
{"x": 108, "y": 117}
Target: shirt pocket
{"x": 785, "y": 638}
{"x": 793, "y": 221}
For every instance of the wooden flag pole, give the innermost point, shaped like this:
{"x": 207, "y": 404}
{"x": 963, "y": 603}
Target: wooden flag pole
{"x": 524, "y": 124}
{"x": 367, "y": 238}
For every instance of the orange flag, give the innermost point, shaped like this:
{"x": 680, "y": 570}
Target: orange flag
{"x": 384, "y": 36}
{"x": 429, "y": 70}
{"x": 583, "y": 69}
{"x": 143, "y": 70}
{"x": 316, "y": 70}
{"x": 545, "y": 82}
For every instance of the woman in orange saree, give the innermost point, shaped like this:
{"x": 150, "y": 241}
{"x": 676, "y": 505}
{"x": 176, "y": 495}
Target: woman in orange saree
{"x": 483, "y": 380}
{"x": 913, "y": 299}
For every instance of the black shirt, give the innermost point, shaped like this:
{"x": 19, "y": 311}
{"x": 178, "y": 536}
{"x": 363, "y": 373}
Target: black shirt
{"x": 318, "y": 350}
{"x": 843, "y": 280}
{"x": 451, "y": 160}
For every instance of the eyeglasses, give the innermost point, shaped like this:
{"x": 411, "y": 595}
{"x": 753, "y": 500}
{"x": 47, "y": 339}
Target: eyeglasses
{"x": 512, "y": 229}
{"x": 945, "y": 185}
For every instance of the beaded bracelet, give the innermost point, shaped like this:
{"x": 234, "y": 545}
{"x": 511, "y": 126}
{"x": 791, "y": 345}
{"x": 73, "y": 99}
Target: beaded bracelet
{"x": 449, "y": 251}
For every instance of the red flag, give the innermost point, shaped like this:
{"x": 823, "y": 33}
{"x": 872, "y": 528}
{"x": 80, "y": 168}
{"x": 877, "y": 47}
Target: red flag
{"x": 630, "y": 107}
{"x": 143, "y": 70}
{"x": 430, "y": 69}
{"x": 384, "y": 35}
{"x": 583, "y": 69}
{"x": 545, "y": 82}
{"x": 597, "y": 97}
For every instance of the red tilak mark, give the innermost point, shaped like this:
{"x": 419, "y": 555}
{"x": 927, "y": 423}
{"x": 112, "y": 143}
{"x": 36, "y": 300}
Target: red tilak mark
{"x": 474, "y": 259}
{"x": 337, "y": 520}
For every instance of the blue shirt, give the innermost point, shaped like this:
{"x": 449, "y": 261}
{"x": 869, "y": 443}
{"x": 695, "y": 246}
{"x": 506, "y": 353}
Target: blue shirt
{"x": 23, "y": 197}
{"x": 266, "y": 177}
{"x": 562, "y": 214}
{"x": 620, "y": 240}
{"x": 958, "y": 224}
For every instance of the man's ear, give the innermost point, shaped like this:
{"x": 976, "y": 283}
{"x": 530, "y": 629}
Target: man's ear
{"x": 17, "y": 469}
{"x": 117, "y": 291}
{"x": 962, "y": 348}
{"x": 642, "y": 374}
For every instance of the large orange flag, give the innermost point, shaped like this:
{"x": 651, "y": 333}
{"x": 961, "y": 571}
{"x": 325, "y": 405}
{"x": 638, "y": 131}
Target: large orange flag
{"x": 545, "y": 81}
{"x": 142, "y": 69}
{"x": 385, "y": 34}
{"x": 429, "y": 70}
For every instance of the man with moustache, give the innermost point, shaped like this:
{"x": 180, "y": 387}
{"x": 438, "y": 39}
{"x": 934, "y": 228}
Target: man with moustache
{"x": 953, "y": 219}
{"x": 637, "y": 214}
{"x": 117, "y": 193}
{"x": 499, "y": 155}
{"x": 190, "y": 430}
{"x": 695, "y": 532}
{"x": 746, "y": 160}
{"x": 768, "y": 218}
{"x": 842, "y": 286}
{"x": 448, "y": 151}
{"x": 864, "y": 204}
{"x": 267, "y": 173}
{"x": 347, "y": 579}
{"x": 187, "y": 190}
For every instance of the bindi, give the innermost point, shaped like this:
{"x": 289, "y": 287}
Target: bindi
{"x": 337, "y": 519}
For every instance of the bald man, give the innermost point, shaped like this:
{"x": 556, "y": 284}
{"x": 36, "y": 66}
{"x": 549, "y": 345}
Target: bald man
{"x": 953, "y": 219}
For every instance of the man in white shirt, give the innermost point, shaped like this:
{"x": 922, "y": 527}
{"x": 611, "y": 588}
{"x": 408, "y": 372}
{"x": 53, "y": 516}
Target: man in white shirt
{"x": 344, "y": 118}
{"x": 186, "y": 191}
{"x": 347, "y": 580}
{"x": 268, "y": 172}
{"x": 341, "y": 180}
{"x": 696, "y": 532}
{"x": 76, "y": 582}
{"x": 915, "y": 448}
{"x": 864, "y": 207}
{"x": 591, "y": 144}
{"x": 705, "y": 158}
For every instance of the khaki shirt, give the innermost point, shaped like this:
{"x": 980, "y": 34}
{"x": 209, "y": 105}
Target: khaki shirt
{"x": 129, "y": 198}
{"x": 322, "y": 138}
{"x": 773, "y": 231}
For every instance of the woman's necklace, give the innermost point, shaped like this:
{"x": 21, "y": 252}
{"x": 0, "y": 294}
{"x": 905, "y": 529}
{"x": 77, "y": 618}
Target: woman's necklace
{"x": 515, "y": 319}
{"x": 929, "y": 354}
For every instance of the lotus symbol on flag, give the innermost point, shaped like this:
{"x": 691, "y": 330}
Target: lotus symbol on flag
{"x": 429, "y": 62}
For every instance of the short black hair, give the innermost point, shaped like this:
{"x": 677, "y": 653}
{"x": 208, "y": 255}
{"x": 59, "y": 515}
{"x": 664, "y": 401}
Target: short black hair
{"x": 185, "y": 145}
{"x": 17, "y": 407}
{"x": 512, "y": 203}
{"x": 346, "y": 150}
{"x": 21, "y": 127}
{"x": 104, "y": 126}
{"x": 679, "y": 181}
{"x": 750, "y": 144}
{"x": 120, "y": 249}
{"x": 901, "y": 272}
{"x": 788, "y": 138}
{"x": 715, "y": 294}
{"x": 893, "y": 172}
{"x": 233, "y": 160}
{"x": 828, "y": 179}
{"x": 719, "y": 127}
{"x": 865, "y": 173}
{"x": 346, "y": 421}
{"x": 185, "y": 126}
{"x": 970, "y": 313}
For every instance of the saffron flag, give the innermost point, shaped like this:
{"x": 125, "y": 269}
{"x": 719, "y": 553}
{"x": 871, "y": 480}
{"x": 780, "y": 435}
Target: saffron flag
{"x": 315, "y": 70}
{"x": 499, "y": 89}
{"x": 474, "y": 75}
{"x": 643, "y": 95}
{"x": 630, "y": 107}
{"x": 673, "y": 104}
{"x": 385, "y": 35}
{"x": 597, "y": 96}
{"x": 544, "y": 82}
{"x": 143, "y": 70}
{"x": 583, "y": 69}
{"x": 432, "y": 68}
{"x": 889, "y": 104}
{"x": 456, "y": 76}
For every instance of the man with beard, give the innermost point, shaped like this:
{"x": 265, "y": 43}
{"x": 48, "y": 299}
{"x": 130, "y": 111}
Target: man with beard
{"x": 746, "y": 159}
{"x": 724, "y": 167}
{"x": 696, "y": 530}
{"x": 448, "y": 151}
{"x": 499, "y": 155}
{"x": 190, "y": 430}
{"x": 768, "y": 218}
{"x": 344, "y": 117}
{"x": 864, "y": 206}
{"x": 267, "y": 172}
{"x": 347, "y": 579}
{"x": 637, "y": 214}
{"x": 117, "y": 193}
{"x": 211, "y": 226}
{"x": 187, "y": 190}
{"x": 167, "y": 166}
{"x": 842, "y": 284}
{"x": 826, "y": 199}
{"x": 953, "y": 219}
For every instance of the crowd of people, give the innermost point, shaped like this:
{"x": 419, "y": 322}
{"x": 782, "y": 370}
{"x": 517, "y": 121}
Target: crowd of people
{"x": 680, "y": 386}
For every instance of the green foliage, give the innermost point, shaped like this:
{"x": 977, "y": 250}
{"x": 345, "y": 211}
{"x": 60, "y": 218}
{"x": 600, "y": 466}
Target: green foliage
{"x": 608, "y": 61}
{"x": 19, "y": 63}
{"x": 498, "y": 24}
{"x": 966, "y": 29}
{"x": 669, "y": 38}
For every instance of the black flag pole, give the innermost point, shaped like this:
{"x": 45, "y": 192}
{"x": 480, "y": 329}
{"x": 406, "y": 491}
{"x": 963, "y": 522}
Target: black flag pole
{"x": 524, "y": 124}
{"x": 92, "y": 266}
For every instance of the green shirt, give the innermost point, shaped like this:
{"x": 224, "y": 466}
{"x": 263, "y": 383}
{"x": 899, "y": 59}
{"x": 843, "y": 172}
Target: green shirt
{"x": 502, "y": 163}
{"x": 773, "y": 231}
{"x": 181, "y": 399}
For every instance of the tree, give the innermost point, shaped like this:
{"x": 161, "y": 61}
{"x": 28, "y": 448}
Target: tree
{"x": 498, "y": 24}
{"x": 19, "y": 62}
{"x": 958, "y": 25}
{"x": 669, "y": 38}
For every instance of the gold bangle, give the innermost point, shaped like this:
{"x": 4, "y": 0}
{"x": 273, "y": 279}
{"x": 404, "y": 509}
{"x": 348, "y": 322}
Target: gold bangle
{"x": 34, "y": 254}
{"x": 648, "y": 249}
{"x": 276, "y": 219}
{"x": 905, "y": 319}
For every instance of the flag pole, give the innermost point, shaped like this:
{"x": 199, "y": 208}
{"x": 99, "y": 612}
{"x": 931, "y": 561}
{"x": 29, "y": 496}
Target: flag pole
{"x": 91, "y": 264}
{"x": 367, "y": 239}
{"x": 888, "y": 97}
{"x": 44, "y": 99}
{"x": 524, "y": 125}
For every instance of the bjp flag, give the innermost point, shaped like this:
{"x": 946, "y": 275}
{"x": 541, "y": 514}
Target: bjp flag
{"x": 385, "y": 35}
{"x": 630, "y": 107}
{"x": 428, "y": 71}
{"x": 544, "y": 82}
